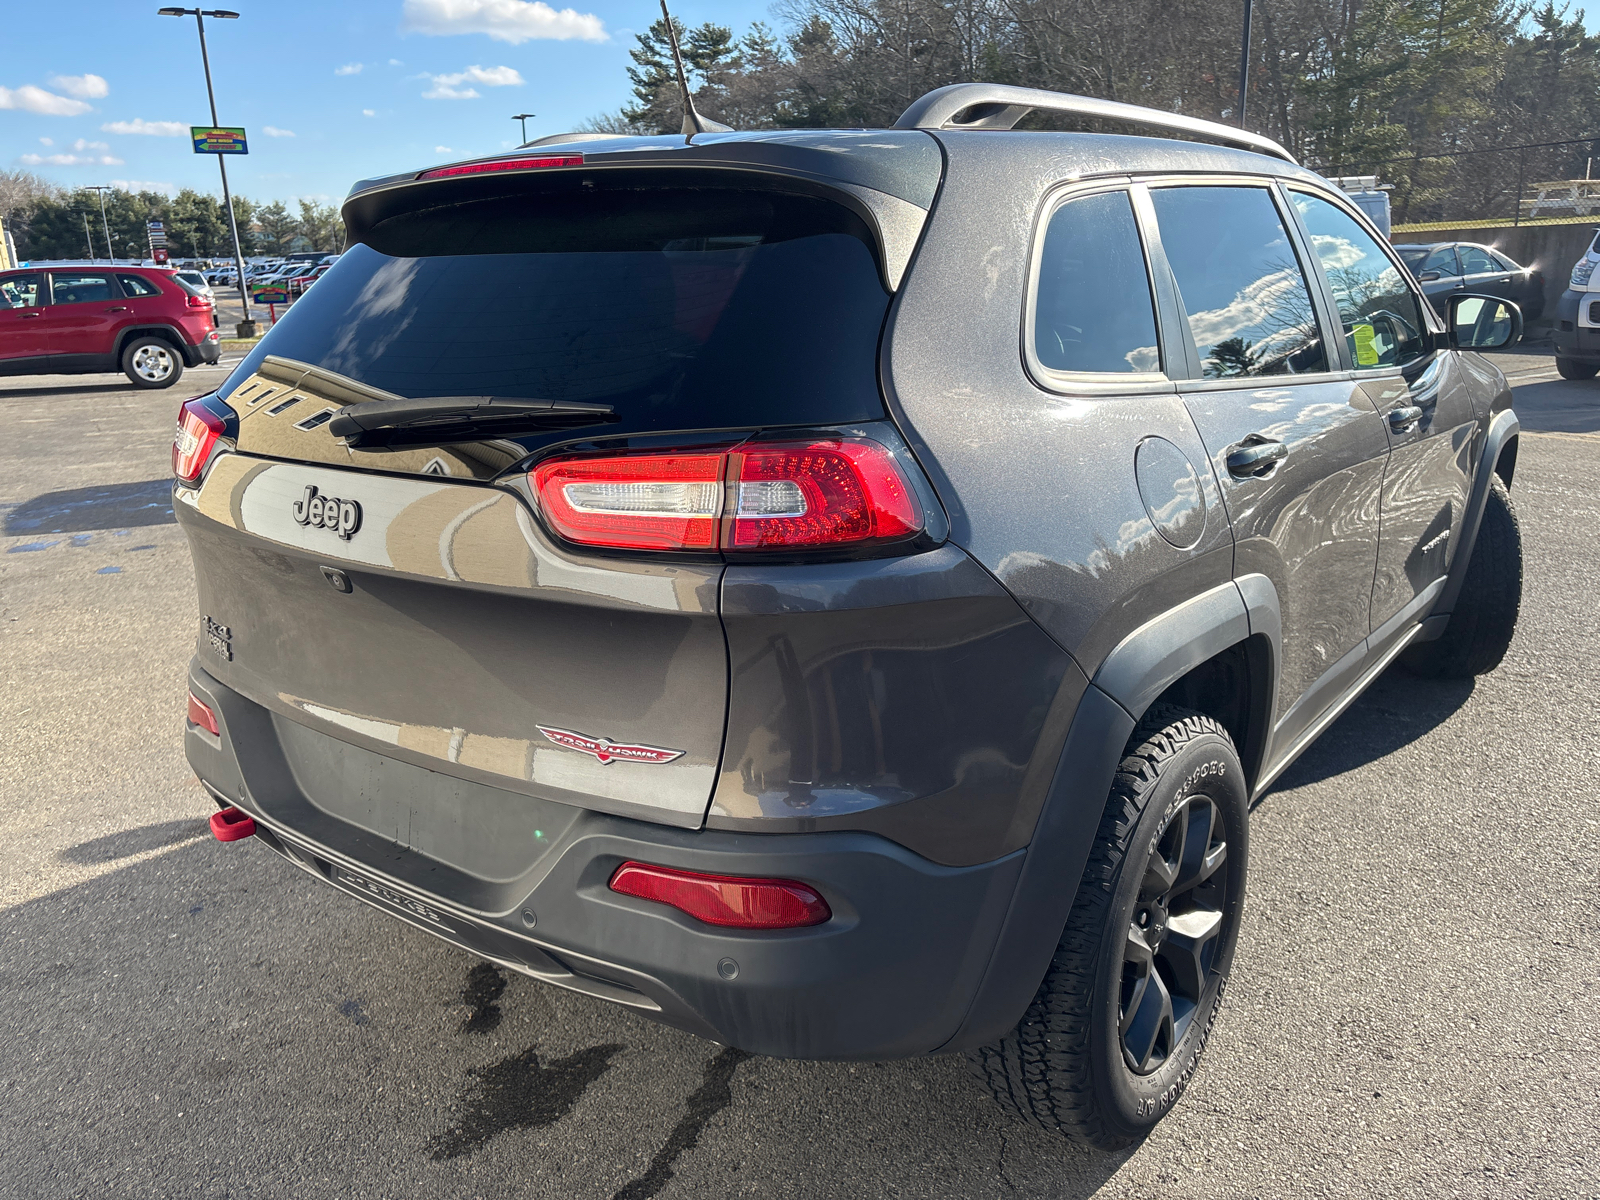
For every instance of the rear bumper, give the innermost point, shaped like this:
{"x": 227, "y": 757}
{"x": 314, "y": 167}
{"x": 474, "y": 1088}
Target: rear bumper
{"x": 894, "y": 973}
{"x": 208, "y": 350}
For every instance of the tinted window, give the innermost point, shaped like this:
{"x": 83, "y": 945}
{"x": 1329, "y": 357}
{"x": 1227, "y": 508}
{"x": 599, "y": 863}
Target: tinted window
{"x": 1506, "y": 264}
{"x": 1093, "y": 310}
{"x": 1475, "y": 260}
{"x": 1247, "y": 300}
{"x": 1412, "y": 256}
{"x": 682, "y": 309}
{"x": 1382, "y": 320}
{"x": 1442, "y": 260}
{"x": 138, "y": 285}
{"x": 21, "y": 291}
{"x": 80, "y": 288}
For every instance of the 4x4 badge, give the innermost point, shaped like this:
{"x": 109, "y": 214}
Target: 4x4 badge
{"x": 327, "y": 512}
{"x": 606, "y": 750}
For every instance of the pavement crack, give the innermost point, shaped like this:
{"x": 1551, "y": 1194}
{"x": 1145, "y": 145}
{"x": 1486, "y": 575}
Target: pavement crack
{"x": 712, "y": 1096}
{"x": 518, "y": 1093}
{"x": 1005, "y": 1145}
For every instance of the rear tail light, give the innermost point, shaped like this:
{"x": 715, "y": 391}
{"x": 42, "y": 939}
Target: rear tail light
{"x": 194, "y": 301}
{"x": 727, "y": 900}
{"x": 202, "y": 421}
{"x": 505, "y": 164}
{"x": 200, "y": 714}
{"x": 837, "y": 492}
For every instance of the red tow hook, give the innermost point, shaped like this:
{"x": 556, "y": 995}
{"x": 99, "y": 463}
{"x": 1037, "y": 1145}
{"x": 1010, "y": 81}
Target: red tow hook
{"x": 232, "y": 824}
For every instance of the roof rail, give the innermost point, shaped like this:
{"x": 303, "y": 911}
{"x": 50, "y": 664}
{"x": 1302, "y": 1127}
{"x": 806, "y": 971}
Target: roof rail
{"x": 557, "y": 139}
{"x": 997, "y": 106}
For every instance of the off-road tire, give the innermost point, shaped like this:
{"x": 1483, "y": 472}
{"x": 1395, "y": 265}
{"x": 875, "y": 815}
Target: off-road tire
{"x": 1571, "y": 368}
{"x": 1485, "y": 615}
{"x": 1063, "y": 1067}
{"x": 152, "y": 362}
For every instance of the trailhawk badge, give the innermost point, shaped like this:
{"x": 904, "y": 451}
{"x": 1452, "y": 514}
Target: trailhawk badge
{"x": 327, "y": 512}
{"x": 606, "y": 750}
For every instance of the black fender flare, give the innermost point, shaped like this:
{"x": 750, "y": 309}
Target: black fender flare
{"x": 167, "y": 332}
{"x": 1142, "y": 666}
{"x": 1503, "y": 429}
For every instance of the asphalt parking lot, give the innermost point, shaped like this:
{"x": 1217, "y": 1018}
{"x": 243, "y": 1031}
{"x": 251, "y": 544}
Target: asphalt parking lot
{"x": 1415, "y": 1010}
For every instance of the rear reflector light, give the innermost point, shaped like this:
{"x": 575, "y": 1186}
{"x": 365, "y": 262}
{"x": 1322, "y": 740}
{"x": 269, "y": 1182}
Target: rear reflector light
{"x": 724, "y": 899}
{"x": 763, "y": 496}
{"x": 643, "y": 502}
{"x": 201, "y": 715}
{"x": 201, "y": 421}
{"x": 505, "y": 164}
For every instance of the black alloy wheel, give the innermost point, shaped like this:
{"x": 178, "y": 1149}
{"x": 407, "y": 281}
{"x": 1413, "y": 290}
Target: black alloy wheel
{"x": 1173, "y": 937}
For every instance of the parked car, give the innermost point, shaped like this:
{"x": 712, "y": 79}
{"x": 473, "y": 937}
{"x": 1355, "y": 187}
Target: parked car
{"x": 558, "y": 597}
{"x": 80, "y": 318}
{"x": 297, "y": 284}
{"x": 1577, "y": 327}
{"x": 1445, "y": 268}
{"x": 195, "y": 282}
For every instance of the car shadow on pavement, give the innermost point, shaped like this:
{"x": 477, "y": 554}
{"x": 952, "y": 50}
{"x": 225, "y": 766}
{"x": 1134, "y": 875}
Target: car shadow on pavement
{"x": 66, "y": 389}
{"x": 102, "y": 506}
{"x": 207, "y": 1017}
{"x": 1395, "y": 711}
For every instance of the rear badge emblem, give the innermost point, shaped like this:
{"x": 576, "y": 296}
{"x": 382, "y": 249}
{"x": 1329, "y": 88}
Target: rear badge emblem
{"x": 606, "y": 750}
{"x": 327, "y": 512}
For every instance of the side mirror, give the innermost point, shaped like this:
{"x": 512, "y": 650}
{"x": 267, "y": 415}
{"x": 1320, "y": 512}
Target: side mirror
{"x": 1483, "y": 322}
{"x": 1427, "y": 277}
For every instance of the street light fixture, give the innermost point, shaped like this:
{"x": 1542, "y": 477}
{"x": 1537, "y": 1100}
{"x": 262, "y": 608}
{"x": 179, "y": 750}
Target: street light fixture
{"x": 221, "y": 14}
{"x": 102, "y": 189}
{"x": 523, "y": 117}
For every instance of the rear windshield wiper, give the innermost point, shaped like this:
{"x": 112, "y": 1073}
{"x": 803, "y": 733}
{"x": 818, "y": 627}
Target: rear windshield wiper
{"x": 440, "y": 420}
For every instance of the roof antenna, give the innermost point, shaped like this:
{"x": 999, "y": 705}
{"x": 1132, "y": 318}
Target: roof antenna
{"x": 693, "y": 122}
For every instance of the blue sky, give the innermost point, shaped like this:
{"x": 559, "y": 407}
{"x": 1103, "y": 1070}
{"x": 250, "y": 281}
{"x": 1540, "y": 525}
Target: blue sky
{"x": 103, "y": 91}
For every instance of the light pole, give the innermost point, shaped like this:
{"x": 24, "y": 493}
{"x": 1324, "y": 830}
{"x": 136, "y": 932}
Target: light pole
{"x": 200, "y": 16}
{"x": 523, "y": 117}
{"x": 1244, "y": 63}
{"x": 102, "y": 189}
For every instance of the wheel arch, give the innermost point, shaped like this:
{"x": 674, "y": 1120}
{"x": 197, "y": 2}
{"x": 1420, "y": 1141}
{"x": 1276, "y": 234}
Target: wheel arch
{"x": 1231, "y": 633}
{"x": 1499, "y": 457}
{"x": 134, "y": 332}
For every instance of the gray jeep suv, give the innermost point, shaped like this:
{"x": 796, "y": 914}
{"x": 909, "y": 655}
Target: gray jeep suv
{"x": 839, "y": 592}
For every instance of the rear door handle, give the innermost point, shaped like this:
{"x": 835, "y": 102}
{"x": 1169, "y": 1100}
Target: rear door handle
{"x": 1404, "y": 417}
{"x": 118, "y": 308}
{"x": 31, "y": 316}
{"x": 1255, "y": 459}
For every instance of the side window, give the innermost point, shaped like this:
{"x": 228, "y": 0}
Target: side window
{"x": 80, "y": 288}
{"x": 1092, "y": 305}
{"x": 138, "y": 285}
{"x": 1382, "y": 319}
{"x": 21, "y": 291}
{"x": 1245, "y": 294}
{"x": 1505, "y": 263}
{"x": 1442, "y": 260}
{"x": 1475, "y": 260}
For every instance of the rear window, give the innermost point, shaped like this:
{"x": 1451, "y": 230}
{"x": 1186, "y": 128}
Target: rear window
{"x": 683, "y": 309}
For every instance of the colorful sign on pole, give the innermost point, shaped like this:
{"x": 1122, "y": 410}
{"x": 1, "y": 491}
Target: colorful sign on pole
{"x": 157, "y": 232}
{"x": 269, "y": 295}
{"x": 225, "y": 140}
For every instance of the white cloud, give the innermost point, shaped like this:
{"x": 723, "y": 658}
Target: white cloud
{"x": 153, "y": 128}
{"x": 367, "y": 112}
{"x": 348, "y": 69}
{"x": 443, "y": 150}
{"x": 84, "y": 87}
{"x": 448, "y": 87}
{"x": 68, "y": 160}
{"x": 274, "y": 131}
{"x": 395, "y": 62}
{"x": 143, "y": 185}
{"x": 47, "y": 141}
{"x": 514, "y": 21}
{"x": 36, "y": 100}
{"x": 80, "y": 144}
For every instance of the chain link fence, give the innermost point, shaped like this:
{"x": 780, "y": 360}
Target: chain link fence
{"x": 1509, "y": 185}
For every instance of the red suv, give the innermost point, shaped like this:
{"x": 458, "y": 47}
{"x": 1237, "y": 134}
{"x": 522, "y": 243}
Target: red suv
{"x": 77, "y": 318}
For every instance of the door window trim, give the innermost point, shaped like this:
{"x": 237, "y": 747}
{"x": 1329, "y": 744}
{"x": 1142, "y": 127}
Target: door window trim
{"x": 1093, "y": 383}
{"x": 1433, "y": 324}
{"x": 1321, "y": 301}
{"x": 111, "y": 278}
